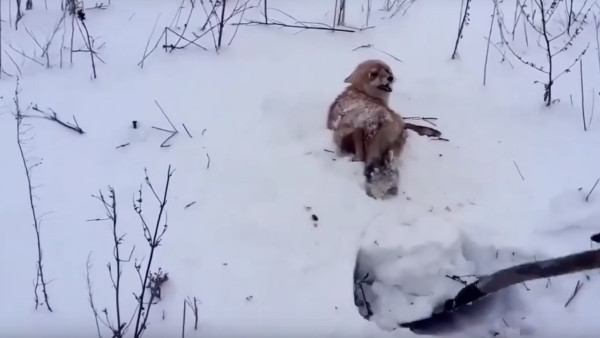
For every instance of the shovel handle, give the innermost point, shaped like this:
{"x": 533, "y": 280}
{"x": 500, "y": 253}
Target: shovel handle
{"x": 586, "y": 260}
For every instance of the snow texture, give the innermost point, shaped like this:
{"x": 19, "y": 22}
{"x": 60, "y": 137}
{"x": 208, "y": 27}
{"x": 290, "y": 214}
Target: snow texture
{"x": 264, "y": 225}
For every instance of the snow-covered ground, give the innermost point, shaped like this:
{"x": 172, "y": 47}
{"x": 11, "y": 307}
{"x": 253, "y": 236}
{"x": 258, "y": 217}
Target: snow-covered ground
{"x": 509, "y": 186}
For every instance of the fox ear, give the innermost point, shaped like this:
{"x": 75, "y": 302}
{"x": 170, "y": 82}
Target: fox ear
{"x": 351, "y": 77}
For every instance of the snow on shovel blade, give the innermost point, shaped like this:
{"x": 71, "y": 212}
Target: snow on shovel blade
{"x": 473, "y": 293}
{"x": 453, "y": 311}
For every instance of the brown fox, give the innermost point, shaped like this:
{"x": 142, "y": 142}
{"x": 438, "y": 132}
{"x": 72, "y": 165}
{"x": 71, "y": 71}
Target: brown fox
{"x": 365, "y": 126}
{"x": 360, "y": 118}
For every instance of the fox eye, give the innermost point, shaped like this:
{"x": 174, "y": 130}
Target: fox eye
{"x": 373, "y": 75}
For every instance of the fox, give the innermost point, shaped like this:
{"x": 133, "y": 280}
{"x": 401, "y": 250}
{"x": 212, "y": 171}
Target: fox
{"x": 365, "y": 127}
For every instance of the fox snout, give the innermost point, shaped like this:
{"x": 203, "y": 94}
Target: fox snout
{"x": 382, "y": 81}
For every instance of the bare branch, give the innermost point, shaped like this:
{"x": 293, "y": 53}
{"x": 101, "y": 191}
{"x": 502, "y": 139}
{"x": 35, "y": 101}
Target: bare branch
{"x": 40, "y": 279}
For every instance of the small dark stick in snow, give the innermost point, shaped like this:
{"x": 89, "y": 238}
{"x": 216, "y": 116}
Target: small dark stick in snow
{"x": 189, "y": 204}
{"x": 172, "y": 132}
{"x": 122, "y": 145}
{"x": 464, "y": 22}
{"x": 183, "y": 323}
{"x": 487, "y": 50}
{"x": 582, "y": 94}
{"x": 134, "y": 124}
{"x": 575, "y": 291}
{"x": 194, "y": 307}
{"x": 373, "y": 46}
{"x": 53, "y": 116}
{"x": 186, "y": 130}
{"x": 587, "y": 198}
{"x": 519, "y": 170}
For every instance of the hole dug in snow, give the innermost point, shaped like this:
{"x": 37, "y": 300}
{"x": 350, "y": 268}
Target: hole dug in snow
{"x": 403, "y": 273}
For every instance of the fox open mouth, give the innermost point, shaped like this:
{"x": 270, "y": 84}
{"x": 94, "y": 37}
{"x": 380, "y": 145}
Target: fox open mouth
{"x": 385, "y": 88}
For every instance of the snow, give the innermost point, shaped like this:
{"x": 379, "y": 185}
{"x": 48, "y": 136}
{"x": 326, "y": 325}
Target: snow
{"x": 248, "y": 248}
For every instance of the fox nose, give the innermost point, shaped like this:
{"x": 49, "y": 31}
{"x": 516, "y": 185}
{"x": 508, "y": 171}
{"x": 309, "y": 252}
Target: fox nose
{"x": 390, "y": 78}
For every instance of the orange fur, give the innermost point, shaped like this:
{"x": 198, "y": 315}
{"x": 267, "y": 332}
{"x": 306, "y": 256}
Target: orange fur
{"x": 362, "y": 122}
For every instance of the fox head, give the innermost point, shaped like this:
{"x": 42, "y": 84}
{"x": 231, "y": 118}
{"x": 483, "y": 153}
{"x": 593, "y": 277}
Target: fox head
{"x": 374, "y": 78}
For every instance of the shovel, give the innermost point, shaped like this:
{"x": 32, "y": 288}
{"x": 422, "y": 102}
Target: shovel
{"x": 486, "y": 285}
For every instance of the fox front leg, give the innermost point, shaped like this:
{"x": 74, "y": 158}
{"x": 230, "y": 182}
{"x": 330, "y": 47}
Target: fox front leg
{"x": 358, "y": 137}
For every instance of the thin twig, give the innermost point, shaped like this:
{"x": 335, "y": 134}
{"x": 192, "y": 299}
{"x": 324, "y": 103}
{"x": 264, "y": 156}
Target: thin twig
{"x": 186, "y": 130}
{"x": 582, "y": 94}
{"x": 91, "y": 296}
{"x": 172, "y": 132}
{"x": 462, "y": 23}
{"x": 487, "y": 49}
{"x": 183, "y": 321}
{"x": 251, "y": 23}
{"x": 372, "y": 46}
{"x": 519, "y": 170}
{"x": 40, "y": 279}
{"x": 87, "y": 38}
{"x": 148, "y": 42}
{"x": 575, "y": 292}
{"x": 587, "y": 197}
{"x": 53, "y": 116}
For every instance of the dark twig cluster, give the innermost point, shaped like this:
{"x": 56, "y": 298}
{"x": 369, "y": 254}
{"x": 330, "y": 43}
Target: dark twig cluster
{"x": 88, "y": 41}
{"x": 45, "y": 47}
{"x": 339, "y": 15}
{"x": 296, "y": 24}
{"x": 397, "y": 6}
{"x": 109, "y": 204}
{"x": 152, "y": 282}
{"x": 53, "y": 116}
{"x": 153, "y": 238}
{"x": 192, "y": 303}
{"x": 172, "y": 132}
{"x": 373, "y": 47}
{"x": 76, "y": 9}
{"x": 541, "y": 19}
{"x": 217, "y": 16}
{"x": 40, "y": 282}
{"x": 464, "y": 21}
